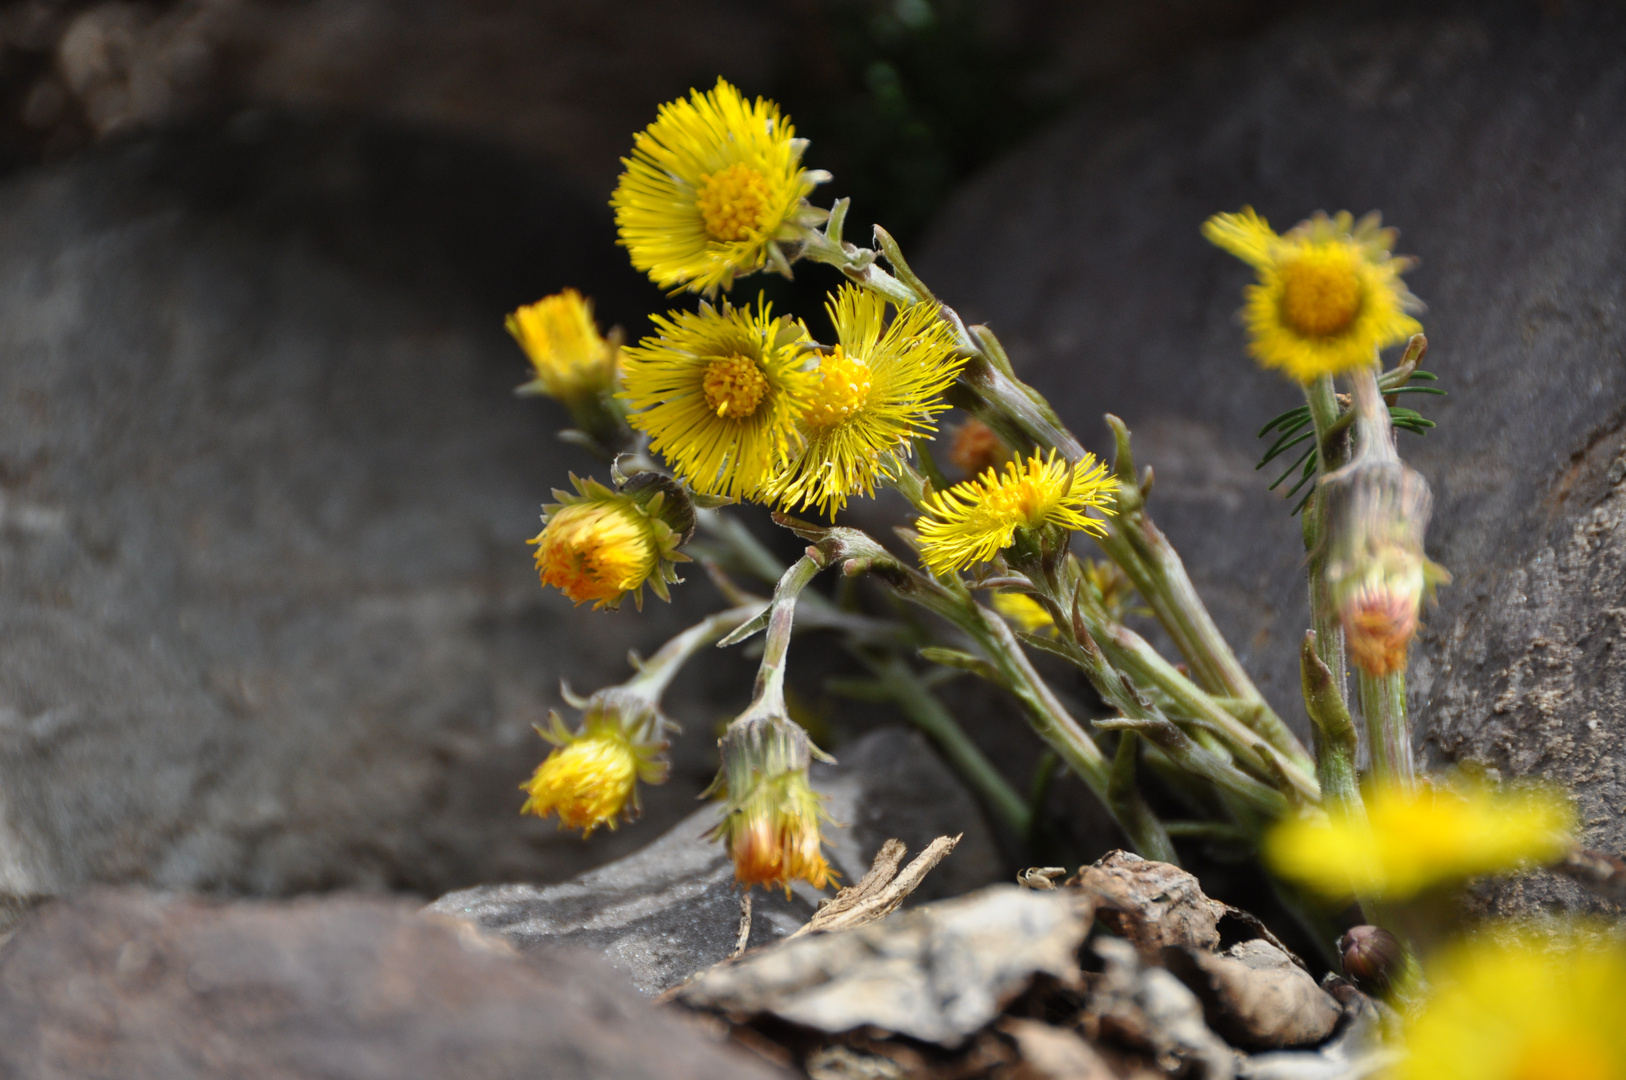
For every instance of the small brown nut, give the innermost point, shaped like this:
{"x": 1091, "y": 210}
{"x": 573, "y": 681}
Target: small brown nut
{"x": 1372, "y": 958}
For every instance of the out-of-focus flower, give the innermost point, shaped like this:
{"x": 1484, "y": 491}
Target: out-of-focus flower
{"x": 720, "y": 393}
{"x": 572, "y": 360}
{"x": 1114, "y": 586}
{"x": 880, "y": 388}
{"x": 1023, "y": 611}
{"x": 600, "y": 544}
{"x": 591, "y": 776}
{"x": 1411, "y": 841}
{"x": 1527, "y": 1007}
{"x": 771, "y": 815}
{"x": 973, "y": 521}
{"x": 976, "y": 448}
{"x": 713, "y": 188}
{"x": 1329, "y": 293}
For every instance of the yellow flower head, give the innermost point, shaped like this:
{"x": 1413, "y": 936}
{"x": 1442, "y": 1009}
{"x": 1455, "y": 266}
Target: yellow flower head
{"x": 571, "y": 359}
{"x": 1329, "y": 293}
{"x": 713, "y": 186}
{"x": 1522, "y": 1008}
{"x": 720, "y": 393}
{"x": 600, "y": 544}
{"x": 1412, "y": 841}
{"x": 973, "y": 521}
{"x": 1028, "y": 615}
{"x": 770, "y": 824}
{"x": 590, "y": 778}
{"x": 880, "y": 388}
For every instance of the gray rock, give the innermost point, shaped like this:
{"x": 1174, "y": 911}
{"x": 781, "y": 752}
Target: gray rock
{"x": 672, "y": 909}
{"x": 1495, "y": 136}
{"x": 267, "y": 618}
{"x": 141, "y": 986}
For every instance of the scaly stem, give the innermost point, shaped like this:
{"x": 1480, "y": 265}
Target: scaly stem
{"x": 656, "y": 673}
{"x": 768, "y": 698}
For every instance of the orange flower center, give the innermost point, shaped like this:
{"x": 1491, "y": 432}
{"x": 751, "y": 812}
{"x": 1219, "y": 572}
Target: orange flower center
{"x": 843, "y": 388}
{"x": 1321, "y": 292}
{"x": 733, "y": 203}
{"x": 734, "y": 386}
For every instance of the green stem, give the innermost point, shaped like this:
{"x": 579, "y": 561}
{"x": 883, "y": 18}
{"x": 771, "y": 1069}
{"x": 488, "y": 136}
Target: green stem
{"x": 768, "y": 698}
{"x": 1336, "y": 741}
{"x": 1329, "y": 632}
{"x": 656, "y": 673}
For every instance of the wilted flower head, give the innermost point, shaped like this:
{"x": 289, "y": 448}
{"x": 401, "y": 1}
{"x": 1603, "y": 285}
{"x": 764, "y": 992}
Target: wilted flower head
{"x": 600, "y": 544}
{"x": 973, "y": 521}
{"x": 713, "y": 188}
{"x": 771, "y": 817}
{"x": 1525, "y": 1007}
{"x": 1329, "y": 293}
{"x": 1416, "y": 840}
{"x": 590, "y": 778}
{"x": 572, "y": 360}
{"x": 720, "y": 393}
{"x": 877, "y": 390}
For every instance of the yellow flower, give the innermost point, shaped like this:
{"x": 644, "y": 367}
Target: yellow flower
{"x": 1522, "y": 1008}
{"x": 1028, "y": 614}
{"x": 720, "y": 393}
{"x": 1329, "y": 293}
{"x": 1412, "y": 841}
{"x": 712, "y": 189}
{"x": 590, "y": 778}
{"x": 878, "y": 390}
{"x": 601, "y": 544}
{"x": 771, "y": 822}
{"x": 572, "y": 360}
{"x": 973, "y": 521}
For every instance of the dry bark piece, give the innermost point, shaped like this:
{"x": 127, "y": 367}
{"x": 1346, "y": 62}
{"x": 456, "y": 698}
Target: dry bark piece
{"x": 1256, "y": 996}
{"x": 1146, "y": 1008}
{"x": 1041, "y": 877}
{"x": 1152, "y": 904}
{"x": 1053, "y": 1053}
{"x": 879, "y": 892}
{"x": 937, "y": 973}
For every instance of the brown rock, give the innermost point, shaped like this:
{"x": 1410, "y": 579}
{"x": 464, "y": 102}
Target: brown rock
{"x": 134, "y": 985}
{"x": 1153, "y": 904}
{"x": 1053, "y": 1053}
{"x": 1256, "y": 996}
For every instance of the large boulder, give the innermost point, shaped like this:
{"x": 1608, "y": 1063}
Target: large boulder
{"x": 267, "y": 618}
{"x": 1495, "y": 136}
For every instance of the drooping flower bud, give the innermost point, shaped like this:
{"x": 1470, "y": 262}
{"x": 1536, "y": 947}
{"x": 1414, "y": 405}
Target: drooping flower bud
{"x": 1377, "y": 574}
{"x": 591, "y": 776}
{"x": 601, "y": 544}
{"x": 771, "y": 815}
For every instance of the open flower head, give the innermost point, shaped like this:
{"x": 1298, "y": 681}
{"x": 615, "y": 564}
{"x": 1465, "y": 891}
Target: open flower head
{"x": 720, "y": 392}
{"x": 771, "y": 815}
{"x": 881, "y": 387}
{"x": 1329, "y": 293}
{"x": 712, "y": 189}
{"x": 973, "y": 521}
{"x": 1413, "y": 841}
{"x": 599, "y": 544}
{"x": 591, "y": 776}
{"x": 1526, "y": 1007}
{"x": 572, "y": 360}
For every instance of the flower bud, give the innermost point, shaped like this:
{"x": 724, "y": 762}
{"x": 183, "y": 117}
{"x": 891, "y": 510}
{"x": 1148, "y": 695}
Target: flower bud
{"x": 571, "y": 359}
{"x": 771, "y": 818}
{"x": 1372, "y": 958}
{"x": 601, "y": 544}
{"x": 590, "y": 778}
{"x": 1377, "y": 574}
{"x": 976, "y": 448}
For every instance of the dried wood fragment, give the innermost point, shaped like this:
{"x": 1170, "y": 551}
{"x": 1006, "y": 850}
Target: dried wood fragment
{"x": 879, "y": 892}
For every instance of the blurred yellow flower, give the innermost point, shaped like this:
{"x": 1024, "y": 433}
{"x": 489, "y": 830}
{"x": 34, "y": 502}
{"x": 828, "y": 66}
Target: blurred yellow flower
{"x": 720, "y": 392}
{"x": 712, "y": 189}
{"x": 973, "y": 521}
{"x": 570, "y": 357}
{"x": 1026, "y": 613}
{"x": 879, "y": 389}
{"x": 588, "y": 781}
{"x": 1522, "y": 1008}
{"x": 1329, "y": 293}
{"x": 600, "y": 544}
{"x": 1412, "y": 841}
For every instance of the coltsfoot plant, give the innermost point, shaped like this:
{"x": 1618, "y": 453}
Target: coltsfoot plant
{"x": 730, "y": 402}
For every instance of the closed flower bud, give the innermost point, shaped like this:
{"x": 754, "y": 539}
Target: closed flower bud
{"x": 591, "y": 776}
{"x": 976, "y": 448}
{"x": 771, "y": 818}
{"x": 1372, "y": 958}
{"x": 572, "y": 360}
{"x": 601, "y": 544}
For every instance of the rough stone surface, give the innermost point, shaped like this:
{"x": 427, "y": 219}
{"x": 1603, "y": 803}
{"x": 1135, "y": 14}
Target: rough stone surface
{"x": 141, "y": 986}
{"x": 672, "y": 908}
{"x": 1494, "y": 135}
{"x": 267, "y": 618}
{"x": 1256, "y": 996}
